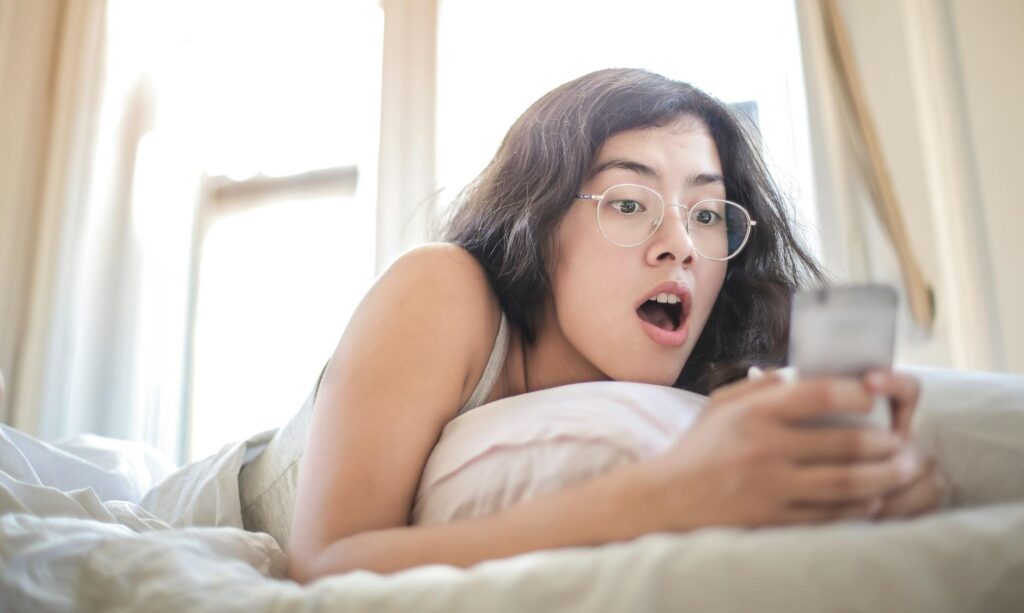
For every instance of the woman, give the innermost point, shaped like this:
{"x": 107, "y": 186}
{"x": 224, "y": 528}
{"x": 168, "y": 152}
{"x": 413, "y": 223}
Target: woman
{"x": 613, "y": 193}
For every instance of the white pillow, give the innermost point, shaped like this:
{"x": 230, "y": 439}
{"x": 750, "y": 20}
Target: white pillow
{"x": 521, "y": 447}
{"x": 973, "y": 422}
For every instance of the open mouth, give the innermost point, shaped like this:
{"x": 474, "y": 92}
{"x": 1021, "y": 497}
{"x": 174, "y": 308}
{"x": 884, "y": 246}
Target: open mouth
{"x": 665, "y": 315}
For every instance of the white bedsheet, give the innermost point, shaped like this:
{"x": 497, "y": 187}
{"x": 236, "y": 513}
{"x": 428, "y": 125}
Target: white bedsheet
{"x": 77, "y": 534}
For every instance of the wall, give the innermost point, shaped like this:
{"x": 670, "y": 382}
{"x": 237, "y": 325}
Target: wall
{"x": 990, "y": 44}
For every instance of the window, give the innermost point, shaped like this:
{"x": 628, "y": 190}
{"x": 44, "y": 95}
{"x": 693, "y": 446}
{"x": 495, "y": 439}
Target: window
{"x": 274, "y": 107}
{"x": 287, "y": 253}
{"x": 494, "y": 60}
{"x": 273, "y": 110}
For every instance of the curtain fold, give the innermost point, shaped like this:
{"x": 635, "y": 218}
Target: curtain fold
{"x": 884, "y": 198}
{"x": 863, "y": 228}
{"x": 28, "y": 33}
{"x": 51, "y": 83}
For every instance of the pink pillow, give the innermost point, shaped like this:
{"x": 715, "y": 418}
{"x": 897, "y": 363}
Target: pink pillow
{"x": 517, "y": 448}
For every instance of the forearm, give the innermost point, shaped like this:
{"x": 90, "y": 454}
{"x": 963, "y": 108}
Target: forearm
{"x": 591, "y": 513}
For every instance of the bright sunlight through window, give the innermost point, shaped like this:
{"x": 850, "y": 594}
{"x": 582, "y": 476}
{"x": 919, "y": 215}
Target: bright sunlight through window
{"x": 295, "y": 90}
{"x": 250, "y": 92}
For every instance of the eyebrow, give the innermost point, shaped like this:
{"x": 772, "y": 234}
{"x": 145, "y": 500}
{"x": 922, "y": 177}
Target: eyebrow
{"x": 698, "y": 179}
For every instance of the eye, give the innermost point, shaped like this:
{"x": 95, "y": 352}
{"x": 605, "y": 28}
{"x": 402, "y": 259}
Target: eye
{"x": 627, "y": 207}
{"x": 706, "y": 217}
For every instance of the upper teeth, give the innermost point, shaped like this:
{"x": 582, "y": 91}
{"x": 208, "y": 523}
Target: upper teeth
{"x": 664, "y": 297}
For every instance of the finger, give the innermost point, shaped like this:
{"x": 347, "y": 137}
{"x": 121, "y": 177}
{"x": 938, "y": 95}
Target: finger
{"x": 819, "y": 513}
{"x": 924, "y": 494}
{"x": 815, "y": 397}
{"x": 920, "y": 498}
{"x": 745, "y": 386}
{"x": 839, "y": 444}
{"x": 893, "y": 383}
{"x": 823, "y": 483}
{"x": 904, "y": 389}
{"x": 924, "y": 464}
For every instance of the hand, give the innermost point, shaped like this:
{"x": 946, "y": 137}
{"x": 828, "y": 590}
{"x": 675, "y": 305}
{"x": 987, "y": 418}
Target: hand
{"x": 747, "y": 461}
{"x": 925, "y": 493}
{"x": 927, "y": 489}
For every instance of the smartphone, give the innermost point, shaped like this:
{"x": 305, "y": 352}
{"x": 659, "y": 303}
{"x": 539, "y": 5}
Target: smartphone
{"x": 845, "y": 331}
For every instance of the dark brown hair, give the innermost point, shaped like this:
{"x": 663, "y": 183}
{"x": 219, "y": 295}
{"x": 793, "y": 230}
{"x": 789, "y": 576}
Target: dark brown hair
{"x": 508, "y": 216}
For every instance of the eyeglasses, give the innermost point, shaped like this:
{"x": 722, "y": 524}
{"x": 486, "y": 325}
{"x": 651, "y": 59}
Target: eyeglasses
{"x": 628, "y": 215}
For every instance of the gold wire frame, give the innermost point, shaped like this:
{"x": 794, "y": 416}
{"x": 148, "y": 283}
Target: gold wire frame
{"x": 661, "y": 217}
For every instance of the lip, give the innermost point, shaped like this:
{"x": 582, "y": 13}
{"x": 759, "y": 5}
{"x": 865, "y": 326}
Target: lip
{"x": 677, "y": 288}
{"x": 673, "y": 338}
{"x": 670, "y": 338}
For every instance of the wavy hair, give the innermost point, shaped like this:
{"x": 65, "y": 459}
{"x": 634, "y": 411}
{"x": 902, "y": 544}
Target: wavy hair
{"x": 508, "y": 216}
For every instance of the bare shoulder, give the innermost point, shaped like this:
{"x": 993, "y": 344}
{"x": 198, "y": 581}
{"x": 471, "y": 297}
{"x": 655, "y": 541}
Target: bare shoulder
{"x": 433, "y": 302}
{"x": 450, "y": 289}
{"x": 448, "y": 267}
{"x": 398, "y": 375}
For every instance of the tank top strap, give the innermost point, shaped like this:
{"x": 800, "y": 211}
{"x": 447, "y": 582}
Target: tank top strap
{"x": 492, "y": 370}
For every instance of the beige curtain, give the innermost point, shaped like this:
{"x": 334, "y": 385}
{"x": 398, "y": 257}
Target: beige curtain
{"x": 94, "y": 272}
{"x": 861, "y": 207}
{"x": 884, "y": 198}
{"x": 51, "y": 55}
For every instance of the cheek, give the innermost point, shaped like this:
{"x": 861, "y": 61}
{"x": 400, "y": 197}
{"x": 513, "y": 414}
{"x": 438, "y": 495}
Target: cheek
{"x": 584, "y": 284}
{"x": 711, "y": 280}
{"x": 588, "y": 285}
{"x": 583, "y": 261}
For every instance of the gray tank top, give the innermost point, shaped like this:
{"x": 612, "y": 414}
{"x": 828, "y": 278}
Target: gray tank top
{"x": 492, "y": 370}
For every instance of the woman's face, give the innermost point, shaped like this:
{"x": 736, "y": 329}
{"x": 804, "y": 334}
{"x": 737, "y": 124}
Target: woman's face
{"x": 599, "y": 289}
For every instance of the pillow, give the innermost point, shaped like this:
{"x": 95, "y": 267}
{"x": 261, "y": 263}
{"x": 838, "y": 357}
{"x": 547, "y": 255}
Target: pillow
{"x": 522, "y": 447}
{"x": 973, "y": 422}
{"x": 518, "y": 448}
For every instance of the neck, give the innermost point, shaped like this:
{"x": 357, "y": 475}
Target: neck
{"x": 550, "y": 361}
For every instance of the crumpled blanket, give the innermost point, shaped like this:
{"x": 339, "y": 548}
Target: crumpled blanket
{"x": 81, "y": 530}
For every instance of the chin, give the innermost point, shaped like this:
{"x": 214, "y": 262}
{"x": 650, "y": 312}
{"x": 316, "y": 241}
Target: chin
{"x": 666, "y": 378}
{"x": 667, "y": 381}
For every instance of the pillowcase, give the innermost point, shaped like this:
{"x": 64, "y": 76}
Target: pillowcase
{"x": 973, "y": 423}
{"x": 519, "y": 447}
{"x": 525, "y": 446}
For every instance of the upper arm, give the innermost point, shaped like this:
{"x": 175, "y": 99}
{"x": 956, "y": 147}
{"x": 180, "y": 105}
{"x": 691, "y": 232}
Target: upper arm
{"x": 398, "y": 374}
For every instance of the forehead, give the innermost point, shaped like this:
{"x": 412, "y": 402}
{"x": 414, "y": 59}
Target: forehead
{"x": 686, "y": 132}
{"x": 682, "y": 147}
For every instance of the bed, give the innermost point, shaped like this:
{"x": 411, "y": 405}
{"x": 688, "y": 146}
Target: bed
{"x": 95, "y": 524}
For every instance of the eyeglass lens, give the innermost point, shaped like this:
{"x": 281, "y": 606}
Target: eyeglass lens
{"x": 628, "y": 215}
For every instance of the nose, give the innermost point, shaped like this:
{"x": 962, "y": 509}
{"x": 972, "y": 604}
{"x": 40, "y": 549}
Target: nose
{"x": 671, "y": 240}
